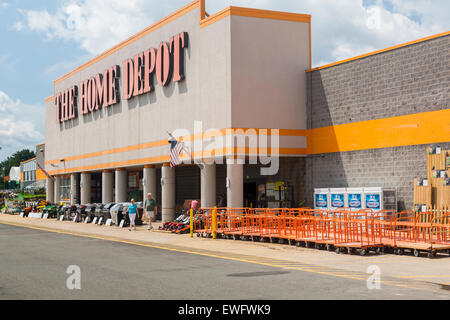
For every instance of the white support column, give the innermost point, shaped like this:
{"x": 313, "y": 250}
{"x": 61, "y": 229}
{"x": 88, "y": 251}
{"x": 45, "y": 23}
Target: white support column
{"x": 85, "y": 187}
{"x": 208, "y": 185}
{"x": 121, "y": 185}
{"x": 149, "y": 181}
{"x": 107, "y": 186}
{"x": 235, "y": 183}
{"x": 50, "y": 190}
{"x": 168, "y": 193}
{"x": 74, "y": 196}
{"x": 57, "y": 192}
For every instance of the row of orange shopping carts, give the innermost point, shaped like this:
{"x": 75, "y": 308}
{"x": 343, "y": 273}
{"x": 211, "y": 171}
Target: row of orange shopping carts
{"x": 363, "y": 231}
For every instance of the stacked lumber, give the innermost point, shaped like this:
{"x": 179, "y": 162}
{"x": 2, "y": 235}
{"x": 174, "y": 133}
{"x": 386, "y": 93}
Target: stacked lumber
{"x": 433, "y": 193}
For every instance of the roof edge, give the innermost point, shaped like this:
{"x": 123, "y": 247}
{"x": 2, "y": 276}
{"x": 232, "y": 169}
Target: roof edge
{"x": 443, "y": 34}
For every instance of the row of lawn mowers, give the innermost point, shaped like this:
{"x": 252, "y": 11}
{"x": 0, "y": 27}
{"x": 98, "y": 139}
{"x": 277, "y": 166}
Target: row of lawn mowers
{"x": 100, "y": 213}
{"x": 181, "y": 224}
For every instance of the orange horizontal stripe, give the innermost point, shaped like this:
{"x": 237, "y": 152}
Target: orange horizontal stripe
{"x": 414, "y": 129}
{"x": 420, "y": 128}
{"x": 49, "y": 99}
{"x": 255, "y": 13}
{"x": 381, "y": 51}
{"x": 212, "y": 134}
{"x": 28, "y": 160}
{"x": 112, "y": 165}
{"x": 244, "y": 150}
{"x": 173, "y": 16}
{"x": 165, "y": 159}
{"x": 112, "y": 151}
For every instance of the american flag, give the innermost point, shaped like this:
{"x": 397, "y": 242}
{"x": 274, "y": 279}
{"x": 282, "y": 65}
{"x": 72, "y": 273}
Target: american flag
{"x": 175, "y": 150}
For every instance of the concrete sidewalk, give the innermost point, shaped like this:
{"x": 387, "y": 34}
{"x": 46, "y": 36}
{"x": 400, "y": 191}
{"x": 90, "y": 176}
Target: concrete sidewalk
{"x": 407, "y": 268}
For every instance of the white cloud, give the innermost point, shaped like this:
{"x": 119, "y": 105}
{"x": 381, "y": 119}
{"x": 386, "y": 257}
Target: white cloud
{"x": 21, "y": 125}
{"x": 18, "y": 26}
{"x": 95, "y": 25}
{"x": 341, "y": 29}
{"x": 4, "y": 5}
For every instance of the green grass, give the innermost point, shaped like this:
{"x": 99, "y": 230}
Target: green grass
{"x": 32, "y": 196}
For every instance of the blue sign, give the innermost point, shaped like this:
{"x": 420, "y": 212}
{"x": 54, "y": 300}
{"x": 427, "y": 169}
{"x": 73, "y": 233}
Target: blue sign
{"x": 337, "y": 200}
{"x": 321, "y": 201}
{"x": 354, "y": 200}
{"x": 373, "y": 201}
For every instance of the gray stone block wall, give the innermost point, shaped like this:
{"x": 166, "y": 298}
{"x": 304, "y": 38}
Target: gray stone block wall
{"x": 388, "y": 167}
{"x": 408, "y": 80}
{"x": 403, "y": 81}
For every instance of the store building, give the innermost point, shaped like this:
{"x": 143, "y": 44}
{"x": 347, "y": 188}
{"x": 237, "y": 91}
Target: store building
{"x": 32, "y": 177}
{"x": 12, "y": 181}
{"x": 236, "y": 87}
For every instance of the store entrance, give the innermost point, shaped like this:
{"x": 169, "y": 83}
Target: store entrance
{"x": 250, "y": 194}
{"x": 255, "y": 193}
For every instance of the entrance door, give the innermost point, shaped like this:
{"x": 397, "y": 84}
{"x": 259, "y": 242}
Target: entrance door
{"x": 250, "y": 194}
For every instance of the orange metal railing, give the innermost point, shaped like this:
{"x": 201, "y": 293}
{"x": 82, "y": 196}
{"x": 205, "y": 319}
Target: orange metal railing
{"x": 339, "y": 228}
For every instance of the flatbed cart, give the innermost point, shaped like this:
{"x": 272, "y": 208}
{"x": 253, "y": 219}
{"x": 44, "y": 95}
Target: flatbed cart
{"x": 233, "y": 227}
{"x": 202, "y": 224}
{"x": 415, "y": 236}
{"x": 416, "y": 248}
{"x": 354, "y": 232}
{"x": 352, "y": 247}
{"x": 313, "y": 230}
{"x": 269, "y": 228}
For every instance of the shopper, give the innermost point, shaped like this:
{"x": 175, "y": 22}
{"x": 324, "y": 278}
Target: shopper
{"x": 149, "y": 206}
{"x": 222, "y": 201}
{"x": 132, "y": 210}
{"x": 194, "y": 205}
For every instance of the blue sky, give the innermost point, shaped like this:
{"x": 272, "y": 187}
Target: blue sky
{"x": 42, "y": 40}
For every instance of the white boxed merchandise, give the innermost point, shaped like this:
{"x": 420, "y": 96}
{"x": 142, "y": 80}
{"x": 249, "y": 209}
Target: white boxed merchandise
{"x": 354, "y": 198}
{"x": 321, "y": 199}
{"x": 373, "y": 199}
{"x": 337, "y": 198}
{"x": 379, "y": 199}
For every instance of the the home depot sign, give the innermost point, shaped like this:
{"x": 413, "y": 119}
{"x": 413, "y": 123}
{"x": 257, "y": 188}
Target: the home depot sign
{"x": 166, "y": 64}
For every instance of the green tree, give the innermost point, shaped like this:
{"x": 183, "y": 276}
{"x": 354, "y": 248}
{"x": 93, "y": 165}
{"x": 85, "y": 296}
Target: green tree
{"x": 14, "y": 161}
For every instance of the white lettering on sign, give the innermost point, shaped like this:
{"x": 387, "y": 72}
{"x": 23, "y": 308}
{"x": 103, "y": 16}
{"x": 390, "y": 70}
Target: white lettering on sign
{"x": 165, "y": 63}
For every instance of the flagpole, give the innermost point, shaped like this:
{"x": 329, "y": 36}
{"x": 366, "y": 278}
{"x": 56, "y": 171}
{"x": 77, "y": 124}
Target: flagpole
{"x": 185, "y": 150}
{"x": 44, "y": 171}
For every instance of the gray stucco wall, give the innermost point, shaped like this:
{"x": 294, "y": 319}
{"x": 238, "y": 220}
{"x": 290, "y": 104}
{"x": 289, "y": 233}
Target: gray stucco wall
{"x": 40, "y": 155}
{"x": 408, "y": 80}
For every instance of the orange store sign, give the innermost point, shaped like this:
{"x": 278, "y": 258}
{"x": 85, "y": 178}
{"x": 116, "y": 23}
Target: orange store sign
{"x": 166, "y": 64}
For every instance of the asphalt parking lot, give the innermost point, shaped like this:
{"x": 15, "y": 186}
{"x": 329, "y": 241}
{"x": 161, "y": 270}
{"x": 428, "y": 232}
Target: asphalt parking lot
{"x": 34, "y": 266}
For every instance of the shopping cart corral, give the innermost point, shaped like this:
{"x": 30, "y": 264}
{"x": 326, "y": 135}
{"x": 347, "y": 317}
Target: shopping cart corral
{"x": 343, "y": 231}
